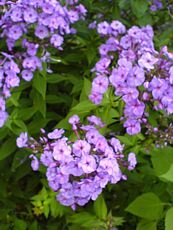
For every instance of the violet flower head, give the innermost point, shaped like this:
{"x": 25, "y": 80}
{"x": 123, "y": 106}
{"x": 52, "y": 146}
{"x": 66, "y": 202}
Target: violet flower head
{"x": 78, "y": 169}
{"x": 138, "y": 74}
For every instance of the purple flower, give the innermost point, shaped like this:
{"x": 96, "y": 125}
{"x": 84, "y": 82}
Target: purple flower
{"x": 30, "y": 15}
{"x": 74, "y": 120}
{"x": 34, "y": 163}
{"x": 101, "y": 144}
{"x": 147, "y": 61}
{"x": 15, "y": 32}
{"x": 126, "y": 41}
{"x": 12, "y": 80}
{"x": 116, "y": 27}
{"x": 16, "y": 14}
{"x": 92, "y": 136}
{"x": 56, "y": 40}
{"x": 41, "y": 32}
{"x": 102, "y": 65}
{"x": 132, "y": 127}
{"x": 134, "y": 108}
{"x": 118, "y": 76}
{"x": 66, "y": 196}
{"x": 51, "y": 173}
{"x": 32, "y": 48}
{"x": 130, "y": 94}
{"x": 74, "y": 168}
{"x": 92, "y": 25}
{"x": 158, "y": 87}
{"x": 73, "y": 16}
{"x": 102, "y": 179}
{"x": 87, "y": 163}
{"x": 171, "y": 75}
{"x": 116, "y": 144}
{"x": 136, "y": 77}
{"x": 103, "y": 28}
{"x": 22, "y": 140}
{"x": 56, "y": 134}
{"x": 46, "y": 158}
{"x": 100, "y": 84}
{"x": 132, "y": 161}
{"x": 54, "y": 185}
{"x": 61, "y": 151}
{"x": 47, "y": 8}
{"x": 3, "y": 118}
{"x": 27, "y": 75}
{"x": 156, "y": 5}
{"x": 32, "y": 63}
{"x": 109, "y": 166}
{"x": 95, "y": 121}
{"x": 96, "y": 97}
{"x": 2, "y": 104}
{"x": 81, "y": 147}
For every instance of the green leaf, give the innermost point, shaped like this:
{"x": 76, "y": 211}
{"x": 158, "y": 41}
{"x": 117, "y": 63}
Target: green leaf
{"x": 139, "y": 7}
{"x": 56, "y": 208}
{"x": 4, "y": 226}
{"x": 146, "y": 19}
{"x": 100, "y": 207}
{"x": 20, "y": 124}
{"x": 7, "y": 148}
{"x": 84, "y": 107}
{"x": 169, "y": 219}
{"x": 162, "y": 159}
{"x": 40, "y": 84}
{"x": 37, "y": 124}
{"x": 25, "y": 113}
{"x": 43, "y": 195}
{"x": 39, "y": 103}
{"x": 53, "y": 99}
{"x": 19, "y": 224}
{"x": 33, "y": 226}
{"x": 147, "y": 206}
{"x": 46, "y": 210}
{"x": 127, "y": 139}
{"x": 85, "y": 220}
{"x": 55, "y": 78}
{"x": 85, "y": 90}
{"x": 168, "y": 175}
{"x": 19, "y": 158}
{"x": 117, "y": 221}
{"x": 147, "y": 225}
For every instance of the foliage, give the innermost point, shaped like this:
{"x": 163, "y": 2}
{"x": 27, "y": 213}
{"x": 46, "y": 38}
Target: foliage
{"x": 145, "y": 200}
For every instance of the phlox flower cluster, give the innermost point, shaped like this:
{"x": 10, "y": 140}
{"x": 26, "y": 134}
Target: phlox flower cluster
{"x": 78, "y": 170}
{"x": 31, "y": 27}
{"x": 140, "y": 75}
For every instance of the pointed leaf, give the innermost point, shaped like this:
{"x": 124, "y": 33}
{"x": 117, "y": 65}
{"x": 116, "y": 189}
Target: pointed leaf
{"x": 147, "y": 206}
{"x": 100, "y": 207}
{"x": 168, "y": 175}
{"x": 147, "y": 225}
{"x": 7, "y": 148}
{"x": 169, "y": 219}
